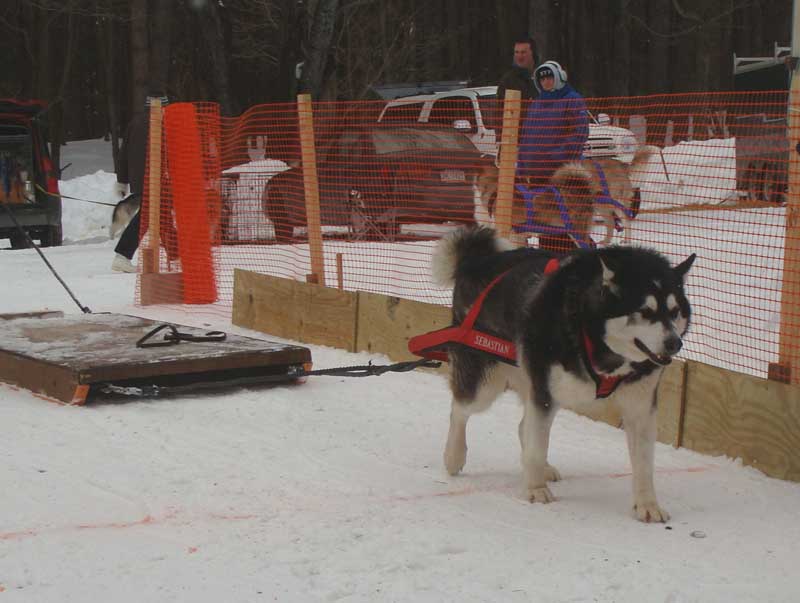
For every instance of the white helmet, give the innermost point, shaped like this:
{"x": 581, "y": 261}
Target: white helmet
{"x": 550, "y": 68}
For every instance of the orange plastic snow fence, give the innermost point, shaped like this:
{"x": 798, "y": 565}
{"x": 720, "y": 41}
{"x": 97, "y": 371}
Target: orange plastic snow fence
{"x": 712, "y": 173}
{"x": 184, "y": 158}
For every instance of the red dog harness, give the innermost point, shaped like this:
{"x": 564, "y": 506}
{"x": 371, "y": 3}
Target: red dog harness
{"x": 434, "y": 345}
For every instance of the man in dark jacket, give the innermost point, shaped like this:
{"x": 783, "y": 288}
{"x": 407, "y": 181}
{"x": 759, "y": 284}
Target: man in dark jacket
{"x": 131, "y": 172}
{"x": 133, "y": 154}
{"x": 519, "y": 77}
{"x": 556, "y": 126}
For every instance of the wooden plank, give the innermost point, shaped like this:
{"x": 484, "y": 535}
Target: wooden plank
{"x": 39, "y": 377}
{"x": 743, "y": 417}
{"x": 154, "y": 185}
{"x": 160, "y": 288}
{"x": 386, "y": 323}
{"x": 33, "y": 314}
{"x": 738, "y": 205}
{"x": 788, "y": 347}
{"x": 308, "y": 153}
{"x": 301, "y": 311}
{"x": 512, "y": 107}
{"x": 670, "y": 398}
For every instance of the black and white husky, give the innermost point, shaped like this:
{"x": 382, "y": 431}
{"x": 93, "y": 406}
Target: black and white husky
{"x": 604, "y": 322}
{"x": 123, "y": 213}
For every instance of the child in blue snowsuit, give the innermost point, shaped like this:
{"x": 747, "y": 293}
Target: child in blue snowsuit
{"x": 555, "y": 129}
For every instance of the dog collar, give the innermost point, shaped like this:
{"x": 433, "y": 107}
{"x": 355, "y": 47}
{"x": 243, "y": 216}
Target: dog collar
{"x": 605, "y": 384}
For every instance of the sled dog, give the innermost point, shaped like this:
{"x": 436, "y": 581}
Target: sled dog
{"x": 123, "y": 213}
{"x": 600, "y": 322}
{"x": 580, "y": 184}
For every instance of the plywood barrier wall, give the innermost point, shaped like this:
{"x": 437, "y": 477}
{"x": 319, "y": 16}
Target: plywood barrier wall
{"x": 704, "y": 408}
{"x": 385, "y": 323}
{"x": 293, "y": 310}
{"x": 743, "y": 417}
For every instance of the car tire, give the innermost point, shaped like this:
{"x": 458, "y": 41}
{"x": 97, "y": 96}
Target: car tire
{"x": 19, "y": 241}
{"x": 390, "y": 229}
{"x": 284, "y": 231}
{"x": 52, "y": 236}
{"x": 279, "y": 209}
{"x": 278, "y": 214}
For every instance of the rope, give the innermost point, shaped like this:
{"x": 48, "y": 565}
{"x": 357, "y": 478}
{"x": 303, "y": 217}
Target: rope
{"x": 370, "y": 370}
{"x": 154, "y": 391}
{"x": 62, "y": 196}
{"x": 83, "y": 308}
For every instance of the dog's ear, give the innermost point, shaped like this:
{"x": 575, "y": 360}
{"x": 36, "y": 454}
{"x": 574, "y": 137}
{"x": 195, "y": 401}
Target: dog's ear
{"x": 682, "y": 268}
{"x": 608, "y": 278}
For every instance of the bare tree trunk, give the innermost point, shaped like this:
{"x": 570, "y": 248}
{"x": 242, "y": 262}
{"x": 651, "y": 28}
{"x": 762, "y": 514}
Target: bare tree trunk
{"x": 42, "y": 75}
{"x": 318, "y": 47}
{"x": 542, "y": 26}
{"x": 106, "y": 54}
{"x": 505, "y": 35}
{"x": 211, "y": 26}
{"x": 589, "y": 43}
{"x": 160, "y": 47}
{"x": 57, "y": 112}
{"x": 140, "y": 59}
{"x": 455, "y": 50}
{"x": 429, "y": 57}
{"x": 291, "y": 49}
{"x": 658, "y": 55}
{"x": 619, "y": 68}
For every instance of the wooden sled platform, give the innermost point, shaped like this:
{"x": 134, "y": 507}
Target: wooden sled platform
{"x": 75, "y": 359}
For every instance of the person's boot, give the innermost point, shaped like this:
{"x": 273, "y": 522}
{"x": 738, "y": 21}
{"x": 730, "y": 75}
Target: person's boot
{"x": 122, "y": 264}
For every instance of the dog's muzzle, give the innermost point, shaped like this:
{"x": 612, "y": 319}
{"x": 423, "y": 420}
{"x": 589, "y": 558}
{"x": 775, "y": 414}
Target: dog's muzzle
{"x": 672, "y": 346}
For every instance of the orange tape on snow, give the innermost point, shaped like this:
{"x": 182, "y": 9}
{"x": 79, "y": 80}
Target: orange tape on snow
{"x": 184, "y": 158}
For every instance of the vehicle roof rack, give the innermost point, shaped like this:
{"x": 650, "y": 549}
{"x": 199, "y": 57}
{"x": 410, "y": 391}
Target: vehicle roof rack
{"x": 392, "y": 91}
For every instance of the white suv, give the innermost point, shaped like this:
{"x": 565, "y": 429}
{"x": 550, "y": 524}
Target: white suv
{"x": 476, "y": 112}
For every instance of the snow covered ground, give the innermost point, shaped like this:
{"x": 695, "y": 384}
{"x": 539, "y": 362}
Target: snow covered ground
{"x": 334, "y": 490}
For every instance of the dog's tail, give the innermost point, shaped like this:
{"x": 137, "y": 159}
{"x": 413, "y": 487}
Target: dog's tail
{"x": 459, "y": 245}
{"x": 643, "y": 153}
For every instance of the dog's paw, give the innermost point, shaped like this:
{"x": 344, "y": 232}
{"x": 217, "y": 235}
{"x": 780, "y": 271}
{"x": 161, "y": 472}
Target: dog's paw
{"x": 650, "y": 512}
{"x": 455, "y": 458}
{"x": 540, "y": 495}
{"x": 551, "y": 474}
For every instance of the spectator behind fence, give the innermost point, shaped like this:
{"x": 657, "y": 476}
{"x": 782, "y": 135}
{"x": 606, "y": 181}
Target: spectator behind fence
{"x": 131, "y": 171}
{"x": 520, "y": 76}
{"x": 556, "y": 126}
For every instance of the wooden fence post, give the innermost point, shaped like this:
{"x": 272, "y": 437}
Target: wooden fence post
{"x": 512, "y": 107}
{"x": 311, "y": 185}
{"x": 151, "y": 255}
{"x": 788, "y": 367}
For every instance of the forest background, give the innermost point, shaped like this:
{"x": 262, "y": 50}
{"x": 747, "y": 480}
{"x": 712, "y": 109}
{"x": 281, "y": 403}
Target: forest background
{"x": 95, "y": 61}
